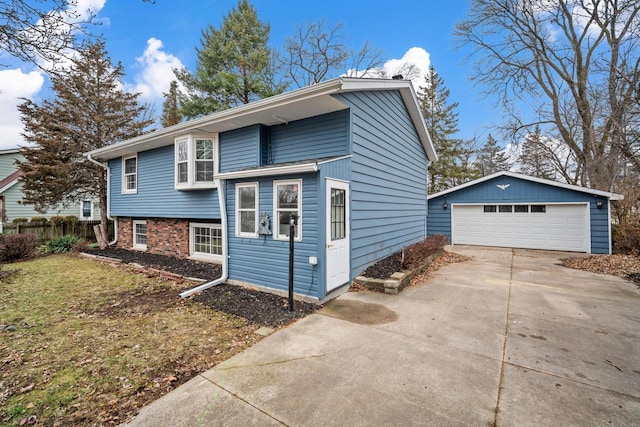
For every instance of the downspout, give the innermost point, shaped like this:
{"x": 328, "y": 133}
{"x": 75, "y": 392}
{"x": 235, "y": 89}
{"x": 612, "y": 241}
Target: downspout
{"x": 115, "y": 220}
{"x": 221, "y": 186}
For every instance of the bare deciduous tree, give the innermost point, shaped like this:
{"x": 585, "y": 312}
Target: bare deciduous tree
{"x": 575, "y": 63}
{"x": 36, "y": 31}
{"x": 318, "y": 52}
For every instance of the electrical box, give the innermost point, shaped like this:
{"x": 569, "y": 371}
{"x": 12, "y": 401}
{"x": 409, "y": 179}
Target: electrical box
{"x": 313, "y": 260}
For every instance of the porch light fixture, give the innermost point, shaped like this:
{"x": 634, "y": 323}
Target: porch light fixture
{"x": 444, "y": 205}
{"x": 599, "y": 204}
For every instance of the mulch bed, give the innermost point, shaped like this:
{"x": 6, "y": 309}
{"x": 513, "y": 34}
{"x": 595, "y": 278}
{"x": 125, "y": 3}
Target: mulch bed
{"x": 260, "y": 308}
{"x": 384, "y": 268}
{"x": 184, "y": 267}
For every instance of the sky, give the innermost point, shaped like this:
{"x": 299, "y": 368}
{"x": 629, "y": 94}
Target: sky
{"x": 150, "y": 39}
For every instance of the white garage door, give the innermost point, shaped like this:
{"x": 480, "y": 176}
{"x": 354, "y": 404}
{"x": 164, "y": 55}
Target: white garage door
{"x": 534, "y": 226}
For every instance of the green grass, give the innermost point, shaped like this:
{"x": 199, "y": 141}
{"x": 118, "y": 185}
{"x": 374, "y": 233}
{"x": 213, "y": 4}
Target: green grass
{"x": 101, "y": 341}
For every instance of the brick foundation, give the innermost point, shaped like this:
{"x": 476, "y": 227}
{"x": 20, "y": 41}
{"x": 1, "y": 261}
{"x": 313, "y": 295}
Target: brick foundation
{"x": 164, "y": 236}
{"x": 125, "y": 233}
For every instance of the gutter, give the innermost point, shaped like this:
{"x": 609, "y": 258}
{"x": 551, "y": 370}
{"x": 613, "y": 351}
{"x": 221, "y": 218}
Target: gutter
{"x": 221, "y": 186}
{"x": 115, "y": 220}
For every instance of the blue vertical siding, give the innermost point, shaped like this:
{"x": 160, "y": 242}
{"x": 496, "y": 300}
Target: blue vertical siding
{"x": 265, "y": 262}
{"x": 520, "y": 191}
{"x": 312, "y": 138}
{"x": 240, "y": 148}
{"x": 388, "y": 178}
{"x": 156, "y": 196}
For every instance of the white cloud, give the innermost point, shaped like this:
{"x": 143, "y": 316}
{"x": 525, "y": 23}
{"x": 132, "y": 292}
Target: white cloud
{"x": 413, "y": 65}
{"x": 14, "y": 84}
{"x": 156, "y": 71}
{"x": 77, "y": 12}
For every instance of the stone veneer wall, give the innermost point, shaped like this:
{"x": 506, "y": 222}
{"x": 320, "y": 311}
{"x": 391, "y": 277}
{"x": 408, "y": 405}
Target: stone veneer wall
{"x": 164, "y": 236}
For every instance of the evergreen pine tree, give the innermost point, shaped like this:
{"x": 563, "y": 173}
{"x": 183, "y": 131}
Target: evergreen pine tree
{"x": 234, "y": 65}
{"x": 170, "y": 108}
{"x": 491, "y": 158}
{"x": 89, "y": 111}
{"x": 452, "y": 167}
{"x": 534, "y": 158}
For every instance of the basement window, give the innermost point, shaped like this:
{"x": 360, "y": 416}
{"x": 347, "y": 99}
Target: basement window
{"x": 205, "y": 241}
{"x": 140, "y": 235}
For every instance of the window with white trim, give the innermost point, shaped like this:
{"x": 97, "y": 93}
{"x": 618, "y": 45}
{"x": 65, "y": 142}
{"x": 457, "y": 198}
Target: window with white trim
{"x": 140, "y": 234}
{"x": 247, "y": 209}
{"x": 287, "y": 200}
{"x": 86, "y": 210}
{"x": 130, "y": 174}
{"x": 205, "y": 241}
{"x": 195, "y": 162}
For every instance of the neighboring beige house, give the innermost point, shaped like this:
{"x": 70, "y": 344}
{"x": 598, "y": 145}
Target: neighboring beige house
{"x": 11, "y": 193}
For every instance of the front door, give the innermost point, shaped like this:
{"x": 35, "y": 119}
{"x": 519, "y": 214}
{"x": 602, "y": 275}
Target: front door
{"x": 338, "y": 249}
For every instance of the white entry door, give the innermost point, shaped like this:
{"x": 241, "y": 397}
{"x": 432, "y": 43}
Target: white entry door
{"x": 338, "y": 249}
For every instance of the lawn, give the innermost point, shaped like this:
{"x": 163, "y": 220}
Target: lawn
{"x": 91, "y": 343}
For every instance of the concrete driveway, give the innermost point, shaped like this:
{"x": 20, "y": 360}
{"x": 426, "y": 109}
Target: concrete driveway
{"x": 510, "y": 338}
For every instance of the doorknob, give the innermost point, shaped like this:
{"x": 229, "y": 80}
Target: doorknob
{"x": 329, "y": 246}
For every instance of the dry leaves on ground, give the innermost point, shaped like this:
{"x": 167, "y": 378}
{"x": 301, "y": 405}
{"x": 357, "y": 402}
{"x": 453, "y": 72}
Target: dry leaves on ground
{"x": 444, "y": 259}
{"x": 625, "y": 266}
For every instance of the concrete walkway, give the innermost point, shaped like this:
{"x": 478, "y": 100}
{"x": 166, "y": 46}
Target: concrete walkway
{"x": 510, "y": 338}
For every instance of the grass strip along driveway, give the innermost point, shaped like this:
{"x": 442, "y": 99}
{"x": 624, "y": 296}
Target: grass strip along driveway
{"x": 84, "y": 342}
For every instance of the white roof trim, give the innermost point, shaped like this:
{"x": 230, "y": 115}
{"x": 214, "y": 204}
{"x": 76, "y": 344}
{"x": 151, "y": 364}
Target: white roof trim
{"x": 9, "y": 185}
{"x": 270, "y": 171}
{"x": 225, "y": 119}
{"x": 612, "y": 196}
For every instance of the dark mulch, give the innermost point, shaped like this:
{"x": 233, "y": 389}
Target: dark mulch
{"x": 260, "y": 308}
{"x": 184, "y": 267}
{"x": 384, "y": 268}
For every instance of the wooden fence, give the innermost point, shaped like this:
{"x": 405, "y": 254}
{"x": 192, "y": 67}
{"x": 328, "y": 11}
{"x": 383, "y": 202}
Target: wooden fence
{"x": 83, "y": 229}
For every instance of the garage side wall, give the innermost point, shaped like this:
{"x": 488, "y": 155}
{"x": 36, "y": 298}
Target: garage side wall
{"x": 519, "y": 191}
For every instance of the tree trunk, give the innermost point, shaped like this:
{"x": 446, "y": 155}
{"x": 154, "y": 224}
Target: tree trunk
{"x": 103, "y": 241}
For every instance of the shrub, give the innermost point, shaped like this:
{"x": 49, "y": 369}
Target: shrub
{"x": 17, "y": 246}
{"x": 626, "y": 235}
{"x": 39, "y": 220}
{"x": 70, "y": 219}
{"x": 414, "y": 255}
{"x": 60, "y": 244}
{"x": 57, "y": 220}
{"x": 19, "y": 220}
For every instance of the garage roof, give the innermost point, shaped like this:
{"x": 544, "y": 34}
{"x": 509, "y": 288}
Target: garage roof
{"x": 611, "y": 196}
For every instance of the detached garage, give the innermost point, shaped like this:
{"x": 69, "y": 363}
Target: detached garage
{"x": 507, "y": 209}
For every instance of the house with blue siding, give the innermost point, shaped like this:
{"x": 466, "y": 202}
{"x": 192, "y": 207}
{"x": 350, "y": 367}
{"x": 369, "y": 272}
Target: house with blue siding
{"x": 347, "y": 158}
{"x": 508, "y": 209}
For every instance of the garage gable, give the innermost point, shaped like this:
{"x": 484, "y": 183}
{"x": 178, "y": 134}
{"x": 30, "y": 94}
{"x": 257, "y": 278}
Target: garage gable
{"x": 514, "y": 210}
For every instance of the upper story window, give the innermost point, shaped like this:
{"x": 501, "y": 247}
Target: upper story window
{"x": 195, "y": 161}
{"x": 130, "y": 174}
{"x": 287, "y": 202}
{"x": 247, "y": 209}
